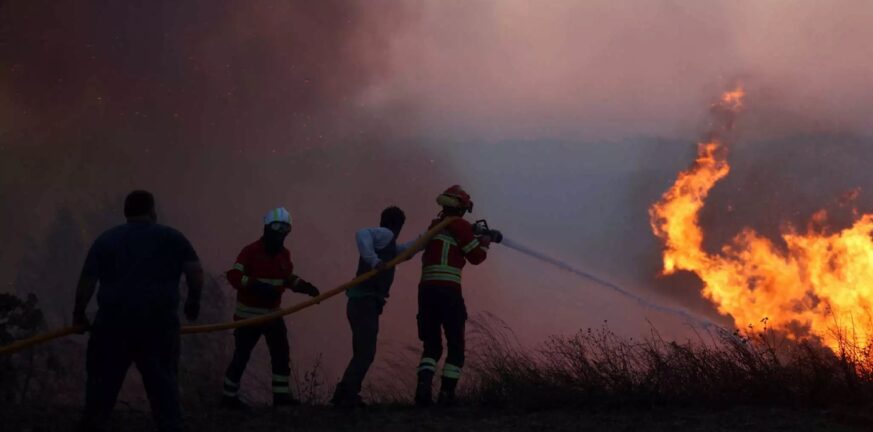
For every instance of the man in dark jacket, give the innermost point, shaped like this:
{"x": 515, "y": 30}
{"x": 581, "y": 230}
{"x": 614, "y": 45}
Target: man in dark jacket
{"x": 138, "y": 266}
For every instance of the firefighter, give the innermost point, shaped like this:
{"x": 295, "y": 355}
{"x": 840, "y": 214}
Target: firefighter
{"x": 440, "y": 301}
{"x": 262, "y": 272}
{"x": 137, "y": 266}
{"x": 376, "y": 246}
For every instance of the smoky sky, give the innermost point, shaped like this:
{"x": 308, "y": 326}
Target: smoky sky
{"x": 566, "y": 120}
{"x": 223, "y": 110}
{"x": 569, "y": 119}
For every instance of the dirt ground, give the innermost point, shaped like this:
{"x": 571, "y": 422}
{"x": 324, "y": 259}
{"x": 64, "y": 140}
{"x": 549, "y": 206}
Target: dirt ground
{"x": 396, "y": 418}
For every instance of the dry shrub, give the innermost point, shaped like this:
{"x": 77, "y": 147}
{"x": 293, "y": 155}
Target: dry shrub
{"x": 596, "y": 367}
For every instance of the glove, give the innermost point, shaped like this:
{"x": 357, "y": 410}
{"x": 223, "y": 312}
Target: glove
{"x": 265, "y": 291}
{"x": 496, "y": 236}
{"x": 485, "y": 241}
{"x": 192, "y": 309}
{"x": 80, "y": 319}
{"x": 307, "y": 288}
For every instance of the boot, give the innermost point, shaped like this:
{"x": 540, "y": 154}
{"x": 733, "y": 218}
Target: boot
{"x": 343, "y": 399}
{"x": 347, "y": 402}
{"x": 233, "y": 403}
{"x": 283, "y": 400}
{"x": 423, "y": 392}
{"x": 447, "y": 392}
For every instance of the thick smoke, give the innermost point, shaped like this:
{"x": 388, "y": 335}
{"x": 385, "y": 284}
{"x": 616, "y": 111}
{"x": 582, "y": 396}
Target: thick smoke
{"x": 565, "y": 119}
{"x": 224, "y": 110}
{"x": 569, "y": 119}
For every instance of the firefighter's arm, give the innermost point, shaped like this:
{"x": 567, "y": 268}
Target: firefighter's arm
{"x": 292, "y": 282}
{"x": 239, "y": 279}
{"x": 237, "y": 275}
{"x": 474, "y": 249}
{"x": 297, "y": 284}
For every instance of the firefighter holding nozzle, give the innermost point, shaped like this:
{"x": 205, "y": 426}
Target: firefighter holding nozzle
{"x": 441, "y": 307}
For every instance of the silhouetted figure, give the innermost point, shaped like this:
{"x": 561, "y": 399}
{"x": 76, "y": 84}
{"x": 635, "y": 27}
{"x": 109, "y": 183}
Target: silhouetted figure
{"x": 262, "y": 272}
{"x": 440, "y": 301}
{"x": 376, "y": 247}
{"x": 138, "y": 266}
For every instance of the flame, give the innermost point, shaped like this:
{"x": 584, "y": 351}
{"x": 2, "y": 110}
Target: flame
{"x": 733, "y": 99}
{"x": 819, "y": 284}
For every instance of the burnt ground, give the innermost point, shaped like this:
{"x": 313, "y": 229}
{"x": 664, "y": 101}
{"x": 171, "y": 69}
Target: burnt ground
{"x": 401, "y": 418}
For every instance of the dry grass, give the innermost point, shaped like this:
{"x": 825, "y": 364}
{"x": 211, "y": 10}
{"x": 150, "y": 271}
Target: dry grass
{"x": 597, "y": 367}
{"x": 593, "y": 380}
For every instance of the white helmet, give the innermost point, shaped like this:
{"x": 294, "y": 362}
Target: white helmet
{"x": 278, "y": 214}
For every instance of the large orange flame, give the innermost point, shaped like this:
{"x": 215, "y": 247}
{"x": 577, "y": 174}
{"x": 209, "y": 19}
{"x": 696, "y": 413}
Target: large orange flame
{"x": 819, "y": 284}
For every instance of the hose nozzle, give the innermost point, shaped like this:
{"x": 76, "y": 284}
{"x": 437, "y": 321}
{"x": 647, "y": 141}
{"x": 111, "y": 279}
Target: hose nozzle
{"x": 481, "y": 228}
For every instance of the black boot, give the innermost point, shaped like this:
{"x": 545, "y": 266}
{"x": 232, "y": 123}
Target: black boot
{"x": 284, "y": 399}
{"x": 447, "y": 392}
{"x": 423, "y": 392}
{"x": 342, "y": 398}
{"x": 233, "y": 403}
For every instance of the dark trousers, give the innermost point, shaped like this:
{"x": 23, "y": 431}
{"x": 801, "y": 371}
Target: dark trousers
{"x": 276, "y": 335}
{"x": 111, "y": 351}
{"x": 363, "y": 315}
{"x": 441, "y": 309}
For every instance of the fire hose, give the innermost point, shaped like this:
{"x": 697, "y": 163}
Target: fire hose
{"x": 207, "y": 328}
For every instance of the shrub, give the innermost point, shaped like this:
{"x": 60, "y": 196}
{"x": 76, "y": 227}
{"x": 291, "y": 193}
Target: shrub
{"x": 18, "y": 319}
{"x": 597, "y": 367}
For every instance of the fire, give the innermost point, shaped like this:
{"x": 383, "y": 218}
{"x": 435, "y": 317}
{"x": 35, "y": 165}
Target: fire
{"x": 818, "y": 284}
{"x": 733, "y": 99}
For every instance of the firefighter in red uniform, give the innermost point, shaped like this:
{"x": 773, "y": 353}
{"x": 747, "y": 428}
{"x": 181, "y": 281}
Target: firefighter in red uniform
{"x": 440, "y": 301}
{"x": 262, "y": 272}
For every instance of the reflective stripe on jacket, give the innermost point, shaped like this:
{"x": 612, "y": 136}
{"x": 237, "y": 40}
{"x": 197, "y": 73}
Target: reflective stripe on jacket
{"x": 255, "y": 264}
{"x": 448, "y": 252}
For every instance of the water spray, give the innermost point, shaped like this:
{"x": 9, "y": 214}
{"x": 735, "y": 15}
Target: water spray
{"x": 563, "y": 265}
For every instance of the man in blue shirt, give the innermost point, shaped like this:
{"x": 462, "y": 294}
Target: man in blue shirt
{"x": 376, "y": 246}
{"x": 138, "y": 266}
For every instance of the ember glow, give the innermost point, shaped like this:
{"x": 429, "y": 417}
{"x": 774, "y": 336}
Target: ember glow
{"x": 818, "y": 283}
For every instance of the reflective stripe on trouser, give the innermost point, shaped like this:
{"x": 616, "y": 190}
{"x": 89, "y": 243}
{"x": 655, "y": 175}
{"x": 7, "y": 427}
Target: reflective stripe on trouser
{"x": 427, "y": 364}
{"x": 441, "y": 311}
{"x": 231, "y": 389}
{"x": 281, "y": 384}
{"x": 245, "y": 339}
{"x": 451, "y": 371}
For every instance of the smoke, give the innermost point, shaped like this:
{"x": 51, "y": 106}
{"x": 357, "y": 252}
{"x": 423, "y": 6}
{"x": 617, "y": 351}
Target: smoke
{"x": 566, "y": 120}
{"x": 223, "y": 110}
{"x": 611, "y": 70}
